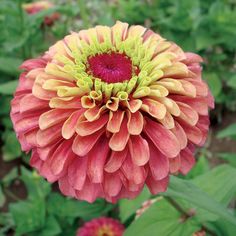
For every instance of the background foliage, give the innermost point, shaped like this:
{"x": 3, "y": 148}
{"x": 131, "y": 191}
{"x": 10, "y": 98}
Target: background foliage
{"x": 204, "y": 199}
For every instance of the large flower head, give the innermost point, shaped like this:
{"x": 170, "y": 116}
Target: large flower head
{"x": 102, "y": 227}
{"x": 35, "y": 7}
{"x": 107, "y": 110}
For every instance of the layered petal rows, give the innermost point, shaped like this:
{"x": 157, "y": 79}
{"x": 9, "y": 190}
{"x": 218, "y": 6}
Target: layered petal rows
{"x": 108, "y": 110}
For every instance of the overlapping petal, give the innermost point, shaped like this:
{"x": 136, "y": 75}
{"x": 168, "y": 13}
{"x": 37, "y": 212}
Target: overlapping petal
{"x": 109, "y": 110}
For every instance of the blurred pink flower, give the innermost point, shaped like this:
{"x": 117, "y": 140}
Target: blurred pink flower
{"x": 35, "y": 7}
{"x": 101, "y": 227}
{"x": 107, "y": 110}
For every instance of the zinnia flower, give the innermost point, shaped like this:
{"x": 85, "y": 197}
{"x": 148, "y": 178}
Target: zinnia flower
{"x": 107, "y": 110}
{"x": 35, "y": 7}
{"x": 102, "y": 227}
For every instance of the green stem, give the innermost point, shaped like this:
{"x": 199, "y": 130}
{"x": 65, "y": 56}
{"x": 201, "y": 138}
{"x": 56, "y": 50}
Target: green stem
{"x": 84, "y": 13}
{"x": 187, "y": 215}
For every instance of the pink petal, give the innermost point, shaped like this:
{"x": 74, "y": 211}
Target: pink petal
{"x": 97, "y": 159}
{"x": 180, "y": 135}
{"x": 48, "y": 136}
{"x": 187, "y": 161}
{"x": 135, "y": 122}
{"x": 115, "y": 120}
{"x": 192, "y": 58}
{"x": 119, "y": 140}
{"x": 112, "y": 184}
{"x": 163, "y": 138}
{"x": 90, "y": 192}
{"x": 65, "y": 187}
{"x": 174, "y": 164}
{"x": 30, "y": 103}
{"x": 115, "y": 161}
{"x": 139, "y": 150}
{"x": 53, "y": 117}
{"x": 158, "y": 163}
{"x": 85, "y": 127}
{"x": 157, "y": 186}
{"x": 135, "y": 174}
{"x": 188, "y": 114}
{"x": 68, "y": 128}
{"x": 61, "y": 157}
{"x": 26, "y": 124}
{"x": 83, "y": 144}
{"x": 33, "y": 63}
{"x": 193, "y": 133}
{"x": 77, "y": 171}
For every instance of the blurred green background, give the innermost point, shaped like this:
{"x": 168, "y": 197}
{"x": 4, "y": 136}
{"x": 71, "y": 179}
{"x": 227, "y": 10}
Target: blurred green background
{"x": 31, "y": 206}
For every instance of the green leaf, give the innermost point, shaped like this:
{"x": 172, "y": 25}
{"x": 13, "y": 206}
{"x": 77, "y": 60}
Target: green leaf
{"x": 10, "y": 65}
{"x": 66, "y": 207}
{"x": 37, "y": 187}
{"x": 231, "y": 82}
{"x": 214, "y": 82}
{"x": 5, "y": 105}
{"x": 217, "y": 179}
{"x": 8, "y": 88}
{"x": 11, "y": 148}
{"x": 28, "y": 216}
{"x": 6, "y": 222}
{"x": 129, "y": 207}
{"x": 51, "y": 227}
{"x": 2, "y": 197}
{"x": 161, "y": 219}
{"x": 188, "y": 191}
{"x": 229, "y": 157}
{"x": 201, "y": 167}
{"x": 229, "y": 131}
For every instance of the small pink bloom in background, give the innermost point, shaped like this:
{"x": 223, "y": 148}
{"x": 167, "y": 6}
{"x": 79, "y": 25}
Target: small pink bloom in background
{"x": 108, "y": 110}
{"x": 35, "y": 7}
{"x": 101, "y": 227}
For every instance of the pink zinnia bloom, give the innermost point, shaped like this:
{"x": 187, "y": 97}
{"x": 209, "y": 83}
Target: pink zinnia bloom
{"x": 35, "y": 7}
{"x": 102, "y": 227}
{"x": 107, "y": 110}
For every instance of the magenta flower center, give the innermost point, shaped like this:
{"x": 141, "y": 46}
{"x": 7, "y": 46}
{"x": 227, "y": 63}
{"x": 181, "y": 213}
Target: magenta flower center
{"x": 111, "y": 68}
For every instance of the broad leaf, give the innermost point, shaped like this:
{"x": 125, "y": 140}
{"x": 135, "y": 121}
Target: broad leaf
{"x": 8, "y": 88}
{"x": 11, "y": 148}
{"x": 28, "y": 216}
{"x": 128, "y": 207}
{"x": 199, "y": 197}
{"x": 10, "y": 65}
{"x": 229, "y": 157}
{"x": 66, "y": 207}
{"x": 161, "y": 219}
{"x": 37, "y": 187}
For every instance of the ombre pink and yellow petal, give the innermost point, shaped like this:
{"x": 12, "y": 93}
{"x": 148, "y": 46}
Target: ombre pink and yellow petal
{"x": 102, "y": 226}
{"x": 108, "y": 110}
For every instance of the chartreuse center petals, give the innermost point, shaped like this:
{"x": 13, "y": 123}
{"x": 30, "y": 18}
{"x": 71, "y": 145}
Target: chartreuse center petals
{"x": 71, "y": 62}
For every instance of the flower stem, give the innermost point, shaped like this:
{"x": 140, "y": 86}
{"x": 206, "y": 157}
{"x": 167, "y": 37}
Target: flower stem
{"x": 186, "y": 215}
